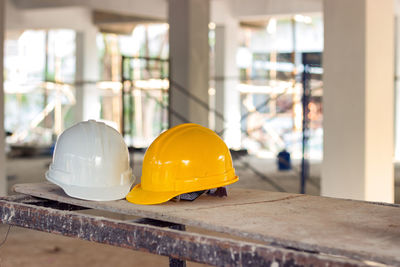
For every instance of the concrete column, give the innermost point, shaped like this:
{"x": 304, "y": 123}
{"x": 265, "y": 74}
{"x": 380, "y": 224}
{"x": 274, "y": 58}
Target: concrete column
{"x": 397, "y": 85}
{"x": 358, "y": 100}
{"x": 3, "y": 177}
{"x": 189, "y": 53}
{"x": 227, "y": 78}
{"x": 87, "y": 74}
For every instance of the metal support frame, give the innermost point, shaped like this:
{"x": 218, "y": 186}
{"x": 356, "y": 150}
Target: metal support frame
{"x": 305, "y": 129}
{"x": 173, "y": 262}
{"x": 152, "y": 236}
{"x": 122, "y": 96}
{"x": 309, "y": 60}
{"x": 125, "y": 70}
{"x": 176, "y": 262}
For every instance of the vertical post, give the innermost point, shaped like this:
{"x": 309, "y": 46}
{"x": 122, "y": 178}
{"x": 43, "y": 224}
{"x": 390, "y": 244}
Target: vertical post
{"x": 296, "y": 110}
{"x": 3, "y": 177}
{"x": 227, "y": 78}
{"x": 79, "y": 76}
{"x": 123, "y": 95}
{"x": 397, "y": 86}
{"x": 219, "y": 67}
{"x": 174, "y": 262}
{"x": 86, "y": 76}
{"x": 305, "y": 130}
{"x": 135, "y": 105}
{"x": 169, "y": 106}
{"x": 47, "y": 120}
{"x": 189, "y": 50}
{"x": 358, "y": 100}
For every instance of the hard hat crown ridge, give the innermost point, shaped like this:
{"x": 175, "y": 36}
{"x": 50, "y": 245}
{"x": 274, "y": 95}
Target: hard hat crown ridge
{"x": 91, "y": 161}
{"x": 184, "y": 159}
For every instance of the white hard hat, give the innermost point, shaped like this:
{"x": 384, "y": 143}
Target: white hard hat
{"x": 91, "y": 161}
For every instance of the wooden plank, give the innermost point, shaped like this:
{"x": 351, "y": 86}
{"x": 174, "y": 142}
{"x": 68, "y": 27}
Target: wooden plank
{"x": 356, "y": 229}
{"x": 161, "y": 240}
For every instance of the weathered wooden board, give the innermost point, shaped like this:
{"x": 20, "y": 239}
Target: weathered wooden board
{"x": 162, "y": 238}
{"x": 356, "y": 229}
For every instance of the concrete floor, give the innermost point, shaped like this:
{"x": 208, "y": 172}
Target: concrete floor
{"x": 31, "y": 248}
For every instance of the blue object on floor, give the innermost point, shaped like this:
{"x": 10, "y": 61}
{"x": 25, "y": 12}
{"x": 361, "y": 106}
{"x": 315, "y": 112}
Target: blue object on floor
{"x": 283, "y": 161}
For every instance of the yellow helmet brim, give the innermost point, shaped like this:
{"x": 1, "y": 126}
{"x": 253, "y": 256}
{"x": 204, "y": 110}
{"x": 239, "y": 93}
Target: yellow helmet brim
{"x": 140, "y": 196}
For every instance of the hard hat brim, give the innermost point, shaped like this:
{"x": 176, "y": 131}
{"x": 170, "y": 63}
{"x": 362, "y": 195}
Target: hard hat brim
{"x": 140, "y": 196}
{"x": 108, "y": 193}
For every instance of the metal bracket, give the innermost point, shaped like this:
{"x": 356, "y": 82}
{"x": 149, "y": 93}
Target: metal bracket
{"x": 173, "y": 262}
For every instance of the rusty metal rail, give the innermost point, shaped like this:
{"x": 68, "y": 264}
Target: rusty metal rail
{"x": 157, "y": 237}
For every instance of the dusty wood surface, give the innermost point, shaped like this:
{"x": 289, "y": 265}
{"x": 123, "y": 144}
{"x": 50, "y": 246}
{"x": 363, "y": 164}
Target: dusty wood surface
{"x": 359, "y": 230}
{"x": 160, "y": 239}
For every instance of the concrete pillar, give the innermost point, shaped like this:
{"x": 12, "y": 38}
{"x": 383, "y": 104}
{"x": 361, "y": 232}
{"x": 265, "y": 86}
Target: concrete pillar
{"x": 3, "y": 177}
{"x": 227, "y": 97}
{"x": 189, "y": 54}
{"x": 87, "y": 74}
{"x": 397, "y": 85}
{"x": 220, "y": 66}
{"x": 358, "y": 100}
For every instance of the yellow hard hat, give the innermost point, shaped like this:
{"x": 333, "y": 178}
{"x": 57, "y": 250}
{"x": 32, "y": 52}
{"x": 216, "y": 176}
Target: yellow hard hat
{"x": 183, "y": 159}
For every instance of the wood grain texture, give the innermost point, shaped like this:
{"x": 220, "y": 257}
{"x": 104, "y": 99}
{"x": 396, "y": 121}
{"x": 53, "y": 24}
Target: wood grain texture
{"x": 356, "y": 229}
{"x": 158, "y": 239}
